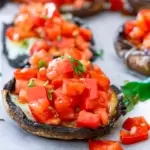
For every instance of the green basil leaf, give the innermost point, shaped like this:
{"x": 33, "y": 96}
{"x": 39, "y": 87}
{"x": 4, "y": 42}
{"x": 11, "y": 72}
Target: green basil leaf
{"x": 50, "y": 94}
{"x": 31, "y": 83}
{"x": 41, "y": 64}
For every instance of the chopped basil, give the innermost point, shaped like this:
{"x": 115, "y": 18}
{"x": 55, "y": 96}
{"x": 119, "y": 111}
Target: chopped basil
{"x": 59, "y": 38}
{"x": 99, "y": 53}
{"x": 50, "y": 94}
{"x": 41, "y": 64}
{"x": 135, "y": 92}
{"x": 31, "y": 83}
{"x": 45, "y": 17}
{"x": 25, "y": 44}
{"x": 77, "y": 66}
{"x": 46, "y": 83}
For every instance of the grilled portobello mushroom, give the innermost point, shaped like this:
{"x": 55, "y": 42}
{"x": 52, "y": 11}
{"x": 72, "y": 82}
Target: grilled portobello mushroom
{"x": 17, "y": 53}
{"x": 135, "y": 59}
{"x": 23, "y": 118}
{"x": 138, "y": 4}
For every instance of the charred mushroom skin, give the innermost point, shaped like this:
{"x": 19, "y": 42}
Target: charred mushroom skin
{"x": 96, "y": 7}
{"x": 57, "y": 132}
{"x": 135, "y": 59}
{"x": 22, "y": 60}
{"x": 139, "y": 4}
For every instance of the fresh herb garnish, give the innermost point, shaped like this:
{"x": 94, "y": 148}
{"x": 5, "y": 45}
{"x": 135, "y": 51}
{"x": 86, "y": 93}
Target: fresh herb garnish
{"x": 134, "y": 92}
{"x": 77, "y": 66}
{"x": 50, "y": 94}
{"x": 31, "y": 83}
{"x": 25, "y": 44}
{"x": 46, "y": 83}
{"x": 45, "y": 17}
{"x": 41, "y": 64}
{"x": 59, "y": 38}
{"x": 99, "y": 53}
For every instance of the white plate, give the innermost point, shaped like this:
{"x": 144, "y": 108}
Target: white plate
{"x": 104, "y": 27}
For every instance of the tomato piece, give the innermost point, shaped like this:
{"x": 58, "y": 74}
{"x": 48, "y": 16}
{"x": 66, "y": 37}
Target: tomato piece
{"x": 116, "y": 5}
{"x": 39, "y": 21}
{"x": 64, "y": 43}
{"x": 39, "y": 45}
{"x": 41, "y": 75}
{"x": 23, "y": 98}
{"x": 88, "y": 120}
{"x": 57, "y": 83}
{"x": 20, "y": 84}
{"x": 146, "y": 42}
{"x": 68, "y": 28}
{"x": 102, "y": 112}
{"x": 85, "y": 33}
{"x": 53, "y": 32}
{"x": 143, "y": 19}
{"x": 104, "y": 145}
{"x": 136, "y": 134}
{"x": 137, "y": 34}
{"x": 41, "y": 55}
{"x": 63, "y": 107}
{"x": 91, "y": 84}
{"x": 65, "y": 68}
{"x": 74, "y": 52}
{"x": 128, "y": 27}
{"x": 136, "y": 121}
{"x": 102, "y": 80}
{"x": 38, "y": 82}
{"x": 73, "y": 87}
{"x": 25, "y": 74}
{"x": 94, "y": 104}
{"x": 39, "y": 103}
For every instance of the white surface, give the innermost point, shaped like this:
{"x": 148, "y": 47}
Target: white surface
{"x": 104, "y": 27}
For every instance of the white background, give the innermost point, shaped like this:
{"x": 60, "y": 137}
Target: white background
{"x": 104, "y": 26}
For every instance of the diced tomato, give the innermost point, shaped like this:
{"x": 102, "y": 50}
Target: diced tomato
{"x": 128, "y": 27}
{"x": 85, "y": 33}
{"x": 136, "y": 134}
{"x": 94, "y": 104}
{"x": 20, "y": 84}
{"x": 53, "y": 32}
{"x": 62, "y": 106}
{"x": 57, "y": 83}
{"x": 73, "y": 88}
{"x": 143, "y": 20}
{"x": 65, "y": 68}
{"x": 85, "y": 45}
{"x": 42, "y": 74}
{"x": 136, "y": 121}
{"x": 137, "y": 34}
{"x": 104, "y": 145}
{"x": 116, "y": 5}
{"x": 41, "y": 55}
{"x": 25, "y": 74}
{"x": 39, "y": 103}
{"x": 39, "y": 21}
{"x": 38, "y": 82}
{"x": 23, "y": 98}
{"x": 39, "y": 45}
{"x": 102, "y": 112}
{"x": 88, "y": 120}
{"x": 64, "y": 43}
{"x": 146, "y": 42}
{"x": 91, "y": 84}
{"x": 102, "y": 80}
{"x": 75, "y": 53}
{"x": 68, "y": 28}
